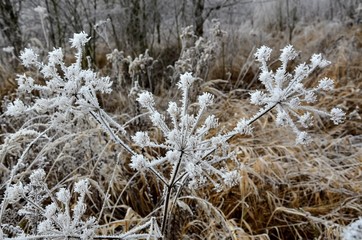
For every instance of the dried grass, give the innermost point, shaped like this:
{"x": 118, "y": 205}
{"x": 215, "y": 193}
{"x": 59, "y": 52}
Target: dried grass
{"x": 285, "y": 192}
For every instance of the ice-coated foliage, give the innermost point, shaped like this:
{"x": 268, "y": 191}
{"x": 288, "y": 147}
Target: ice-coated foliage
{"x": 54, "y": 220}
{"x": 189, "y": 149}
{"x": 193, "y": 150}
{"x": 69, "y": 91}
{"x": 285, "y": 91}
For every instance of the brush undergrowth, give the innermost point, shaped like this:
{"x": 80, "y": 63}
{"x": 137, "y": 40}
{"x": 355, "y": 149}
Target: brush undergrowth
{"x": 207, "y": 166}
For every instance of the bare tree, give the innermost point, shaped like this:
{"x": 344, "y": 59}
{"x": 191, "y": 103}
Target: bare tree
{"x": 9, "y": 23}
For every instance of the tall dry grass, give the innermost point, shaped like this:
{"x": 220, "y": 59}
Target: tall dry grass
{"x": 285, "y": 192}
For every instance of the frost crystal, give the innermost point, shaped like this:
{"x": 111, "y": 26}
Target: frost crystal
{"x": 50, "y": 210}
{"x": 141, "y": 139}
{"x": 326, "y": 84}
{"x": 243, "y": 127}
{"x": 303, "y": 138}
{"x": 146, "y": 99}
{"x": 14, "y": 192}
{"x": 186, "y": 80}
{"x": 263, "y": 53}
{"x": 55, "y": 57}
{"x": 288, "y": 53}
{"x": 337, "y": 116}
{"x": 79, "y": 40}
{"x": 16, "y": 108}
{"x": 63, "y": 195}
{"x": 206, "y": 99}
{"x": 37, "y": 177}
{"x": 138, "y": 162}
{"x": 28, "y": 57}
{"x": 257, "y": 97}
{"x": 306, "y": 120}
{"x": 82, "y": 186}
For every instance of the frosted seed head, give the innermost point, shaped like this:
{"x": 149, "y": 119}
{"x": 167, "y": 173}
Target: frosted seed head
{"x": 138, "y": 162}
{"x": 337, "y": 116}
{"x": 63, "y": 195}
{"x": 243, "y": 127}
{"x": 16, "y": 108}
{"x": 266, "y": 77}
{"x": 303, "y": 138}
{"x": 82, "y": 186}
{"x": 50, "y": 210}
{"x": 14, "y": 192}
{"x": 79, "y": 40}
{"x": 37, "y": 177}
{"x": 146, "y": 99}
{"x": 141, "y": 139}
{"x": 263, "y": 54}
{"x": 186, "y": 80}
{"x": 211, "y": 121}
{"x": 310, "y": 97}
{"x": 294, "y": 102}
{"x": 288, "y": 53}
{"x": 40, "y": 10}
{"x": 28, "y": 57}
{"x": 306, "y": 120}
{"x": 318, "y": 61}
{"x": 206, "y": 99}
{"x": 172, "y": 109}
{"x": 326, "y": 84}
{"x": 55, "y": 56}
{"x": 257, "y": 97}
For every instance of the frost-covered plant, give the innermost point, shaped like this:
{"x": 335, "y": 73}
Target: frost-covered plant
{"x": 59, "y": 215}
{"x": 195, "y": 157}
{"x": 69, "y": 92}
{"x": 55, "y": 220}
{"x": 353, "y": 231}
{"x": 286, "y": 93}
{"x": 195, "y": 149}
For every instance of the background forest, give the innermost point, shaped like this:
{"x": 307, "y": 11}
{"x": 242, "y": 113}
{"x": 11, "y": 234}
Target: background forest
{"x": 285, "y": 190}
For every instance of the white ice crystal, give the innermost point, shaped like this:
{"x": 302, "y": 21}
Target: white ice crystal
{"x": 16, "y": 108}
{"x": 138, "y": 162}
{"x": 14, "y": 192}
{"x": 186, "y": 80}
{"x": 63, "y": 195}
{"x": 146, "y": 99}
{"x": 337, "y": 115}
{"x": 79, "y": 40}
{"x": 141, "y": 139}
{"x": 28, "y": 57}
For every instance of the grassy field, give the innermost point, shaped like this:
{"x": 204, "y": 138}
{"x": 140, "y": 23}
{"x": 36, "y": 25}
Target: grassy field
{"x": 285, "y": 191}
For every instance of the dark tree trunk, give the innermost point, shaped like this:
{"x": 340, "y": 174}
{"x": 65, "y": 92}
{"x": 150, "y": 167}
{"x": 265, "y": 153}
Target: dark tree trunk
{"x": 199, "y": 19}
{"x": 9, "y": 23}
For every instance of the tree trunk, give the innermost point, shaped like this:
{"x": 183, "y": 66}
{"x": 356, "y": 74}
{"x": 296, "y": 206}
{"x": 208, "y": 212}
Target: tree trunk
{"x": 199, "y": 19}
{"x": 9, "y": 23}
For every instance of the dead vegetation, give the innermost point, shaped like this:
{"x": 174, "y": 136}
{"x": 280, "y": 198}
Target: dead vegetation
{"x": 285, "y": 192}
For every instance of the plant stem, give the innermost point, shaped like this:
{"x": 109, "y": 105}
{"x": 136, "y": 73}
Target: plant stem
{"x": 168, "y": 194}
